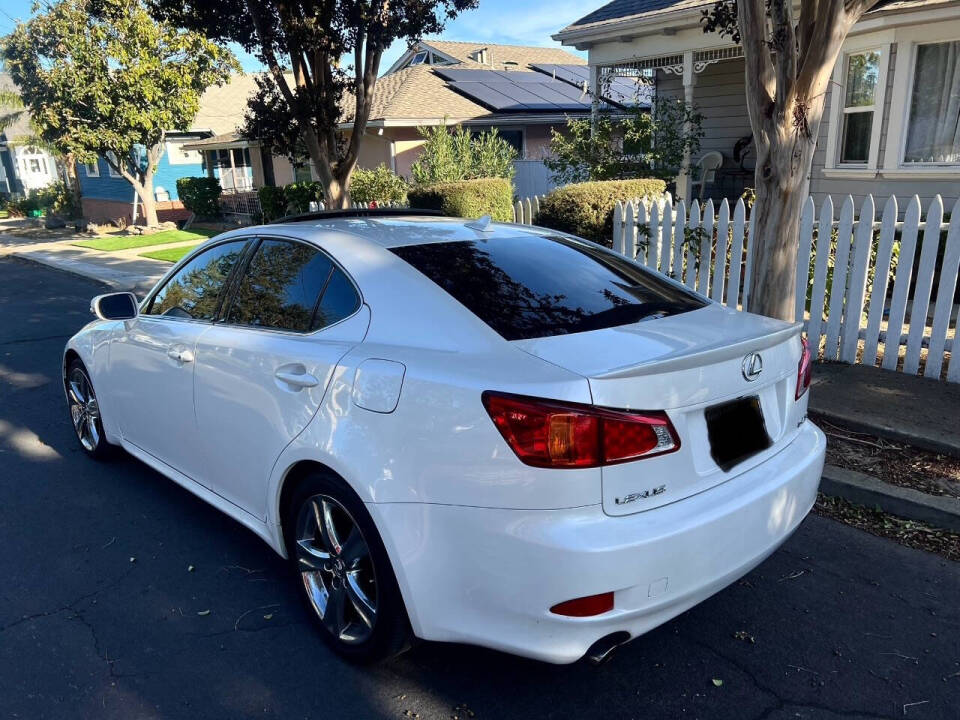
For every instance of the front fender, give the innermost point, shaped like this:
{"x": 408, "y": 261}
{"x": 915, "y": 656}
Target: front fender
{"x": 92, "y": 346}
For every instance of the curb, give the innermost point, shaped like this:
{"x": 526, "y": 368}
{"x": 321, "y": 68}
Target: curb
{"x": 866, "y": 490}
{"x": 24, "y": 257}
{"x": 917, "y": 440}
{"x": 141, "y": 285}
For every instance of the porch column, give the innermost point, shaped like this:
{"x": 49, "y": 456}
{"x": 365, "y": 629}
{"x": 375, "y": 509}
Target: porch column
{"x": 209, "y": 156}
{"x": 689, "y": 80}
{"x": 594, "y": 96}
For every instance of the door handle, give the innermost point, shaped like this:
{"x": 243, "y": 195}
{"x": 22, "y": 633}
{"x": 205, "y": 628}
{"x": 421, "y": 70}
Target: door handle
{"x": 180, "y": 355}
{"x": 297, "y": 380}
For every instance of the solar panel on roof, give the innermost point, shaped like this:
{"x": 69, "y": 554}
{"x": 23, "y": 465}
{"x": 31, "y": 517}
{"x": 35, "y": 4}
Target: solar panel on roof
{"x": 621, "y": 90}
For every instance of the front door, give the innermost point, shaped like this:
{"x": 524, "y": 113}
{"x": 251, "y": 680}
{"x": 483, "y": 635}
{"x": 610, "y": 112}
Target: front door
{"x": 153, "y": 361}
{"x": 262, "y": 373}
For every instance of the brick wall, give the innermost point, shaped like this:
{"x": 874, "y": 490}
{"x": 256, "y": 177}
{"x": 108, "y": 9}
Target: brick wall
{"x": 103, "y": 211}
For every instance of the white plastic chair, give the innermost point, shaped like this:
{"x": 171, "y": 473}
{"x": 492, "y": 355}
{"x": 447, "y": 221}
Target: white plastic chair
{"x": 708, "y": 166}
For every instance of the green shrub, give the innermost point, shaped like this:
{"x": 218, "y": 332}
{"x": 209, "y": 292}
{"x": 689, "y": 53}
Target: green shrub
{"x": 468, "y": 198}
{"x": 272, "y": 202}
{"x": 56, "y": 198}
{"x": 381, "y": 185}
{"x": 200, "y": 195}
{"x": 586, "y": 209}
{"x": 451, "y": 157}
{"x": 299, "y": 195}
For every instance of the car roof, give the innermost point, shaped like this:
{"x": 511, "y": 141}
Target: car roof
{"x": 402, "y": 230}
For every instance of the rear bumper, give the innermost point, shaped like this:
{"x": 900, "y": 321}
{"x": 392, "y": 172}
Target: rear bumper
{"x": 489, "y": 576}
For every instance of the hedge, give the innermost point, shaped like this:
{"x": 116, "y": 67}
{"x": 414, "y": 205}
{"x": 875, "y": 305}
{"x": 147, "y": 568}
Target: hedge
{"x": 380, "y": 185}
{"x": 200, "y": 195}
{"x": 273, "y": 204}
{"x": 467, "y": 198}
{"x": 299, "y": 195}
{"x": 586, "y": 209}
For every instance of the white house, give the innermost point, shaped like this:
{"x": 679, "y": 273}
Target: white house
{"x": 23, "y": 168}
{"x": 892, "y": 117}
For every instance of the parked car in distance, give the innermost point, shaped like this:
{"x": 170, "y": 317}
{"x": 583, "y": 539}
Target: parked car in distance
{"x": 460, "y": 430}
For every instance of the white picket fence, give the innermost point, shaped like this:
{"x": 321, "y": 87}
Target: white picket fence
{"x": 707, "y": 250}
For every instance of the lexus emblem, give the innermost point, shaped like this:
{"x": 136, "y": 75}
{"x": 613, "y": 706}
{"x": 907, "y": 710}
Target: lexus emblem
{"x": 752, "y": 366}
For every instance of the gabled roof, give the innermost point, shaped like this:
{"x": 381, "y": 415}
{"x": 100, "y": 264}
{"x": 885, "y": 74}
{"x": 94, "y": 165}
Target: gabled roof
{"x": 222, "y": 108}
{"x": 20, "y": 127}
{"x": 523, "y": 55}
{"x": 630, "y": 11}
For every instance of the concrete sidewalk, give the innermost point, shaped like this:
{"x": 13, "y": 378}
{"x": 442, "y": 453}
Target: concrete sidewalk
{"x": 918, "y": 411}
{"x": 120, "y": 269}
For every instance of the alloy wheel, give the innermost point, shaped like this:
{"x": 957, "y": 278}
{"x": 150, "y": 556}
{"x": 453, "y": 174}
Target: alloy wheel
{"x": 84, "y": 410}
{"x": 337, "y": 569}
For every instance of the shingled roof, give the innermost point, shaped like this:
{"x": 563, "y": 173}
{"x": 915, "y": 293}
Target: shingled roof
{"x": 523, "y": 55}
{"x": 638, "y": 10}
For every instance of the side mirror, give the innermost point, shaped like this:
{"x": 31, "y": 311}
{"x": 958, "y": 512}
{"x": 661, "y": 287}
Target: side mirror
{"x": 115, "y": 306}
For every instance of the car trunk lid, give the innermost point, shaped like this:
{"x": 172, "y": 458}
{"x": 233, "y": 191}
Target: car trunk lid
{"x": 686, "y": 364}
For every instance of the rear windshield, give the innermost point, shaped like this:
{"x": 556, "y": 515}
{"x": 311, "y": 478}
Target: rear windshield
{"x": 532, "y": 286}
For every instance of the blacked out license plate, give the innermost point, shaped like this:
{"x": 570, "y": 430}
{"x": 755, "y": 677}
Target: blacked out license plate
{"x": 736, "y": 431}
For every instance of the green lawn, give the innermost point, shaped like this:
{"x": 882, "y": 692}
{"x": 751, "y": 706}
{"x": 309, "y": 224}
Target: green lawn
{"x": 169, "y": 254}
{"x": 125, "y": 242}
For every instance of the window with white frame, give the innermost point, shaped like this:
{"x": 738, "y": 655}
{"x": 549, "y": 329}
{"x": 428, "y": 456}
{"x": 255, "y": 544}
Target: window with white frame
{"x": 861, "y": 76}
{"x": 419, "y": 59}
{"x": 112, "y": 157}
{"x": 92, "y": 169}
{"x": 933, "y": 125}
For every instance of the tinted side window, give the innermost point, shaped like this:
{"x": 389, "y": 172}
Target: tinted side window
{"x": 532, "y": 286}
{"x": 194, "y": 292}
{"x": 280, "y": 287}
{"x": 339, "y": 300}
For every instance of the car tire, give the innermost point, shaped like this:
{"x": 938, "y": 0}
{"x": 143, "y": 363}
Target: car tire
{"x": 342, "y": 571}
{"x": 85, "y": 413}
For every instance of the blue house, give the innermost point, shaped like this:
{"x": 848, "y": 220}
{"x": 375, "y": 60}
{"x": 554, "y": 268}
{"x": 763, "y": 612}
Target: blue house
{"x": 107, "y": 197}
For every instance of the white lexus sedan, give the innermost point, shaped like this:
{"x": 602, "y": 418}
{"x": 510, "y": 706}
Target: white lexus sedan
{"x": 460, "y": 431}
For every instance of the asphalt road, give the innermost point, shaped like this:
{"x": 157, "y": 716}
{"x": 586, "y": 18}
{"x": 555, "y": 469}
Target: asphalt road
{"x": 101, "y": 618}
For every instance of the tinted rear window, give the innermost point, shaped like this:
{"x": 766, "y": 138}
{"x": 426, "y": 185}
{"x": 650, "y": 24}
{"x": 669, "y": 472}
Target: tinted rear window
{"x": 529, "y": 286}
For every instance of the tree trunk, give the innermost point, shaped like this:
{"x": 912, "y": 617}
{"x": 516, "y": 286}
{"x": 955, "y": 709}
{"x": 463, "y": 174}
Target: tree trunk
{"x": 70, "y": 165}
{"x": 782, "y": 186}
{"x": 148, "y": 204}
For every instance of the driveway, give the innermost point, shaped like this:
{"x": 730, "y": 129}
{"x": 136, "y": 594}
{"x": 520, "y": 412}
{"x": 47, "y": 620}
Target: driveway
{"x": 101, "y": 615}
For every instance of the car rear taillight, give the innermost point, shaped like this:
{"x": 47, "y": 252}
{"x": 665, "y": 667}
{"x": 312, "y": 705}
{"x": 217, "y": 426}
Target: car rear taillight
{"x": 803, "y": 370}
{"x": 548, "y": 433}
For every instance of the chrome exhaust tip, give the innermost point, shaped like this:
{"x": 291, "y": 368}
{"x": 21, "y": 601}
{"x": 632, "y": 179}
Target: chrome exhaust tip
{"x": 602, "y": 649}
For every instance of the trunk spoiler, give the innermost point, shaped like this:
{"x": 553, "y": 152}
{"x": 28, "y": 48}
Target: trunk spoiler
{"x": 725, "y": 349}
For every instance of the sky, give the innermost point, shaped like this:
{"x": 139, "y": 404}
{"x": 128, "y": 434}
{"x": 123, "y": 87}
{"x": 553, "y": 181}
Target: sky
{"x": 530, "y": 22}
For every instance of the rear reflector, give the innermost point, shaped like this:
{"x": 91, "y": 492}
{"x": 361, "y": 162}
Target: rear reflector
{"x": 585, "y": 606}
{"x": 804, "y": 369}
{"x": 547, "y": 433}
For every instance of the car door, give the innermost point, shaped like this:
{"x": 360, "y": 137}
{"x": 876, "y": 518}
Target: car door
{"x": 152, "y": 362}
{"x": 263, "y": 371}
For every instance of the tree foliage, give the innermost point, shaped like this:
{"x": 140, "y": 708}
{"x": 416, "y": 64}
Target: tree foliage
{"x": 380, "y": 185}
{"x": 103, "y": 78}
{"x": 309, "y": 91}
{"x": 448, "y": 157}
{"x": 640, "y": 144}
{"x": 789, "y": 57}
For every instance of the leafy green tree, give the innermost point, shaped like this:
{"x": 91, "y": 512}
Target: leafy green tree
{"x": 323, "y": 60}
{"x": 460, "y": 155}
{"x": 637, "y": 145}
{"x": 104, "y": 79}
